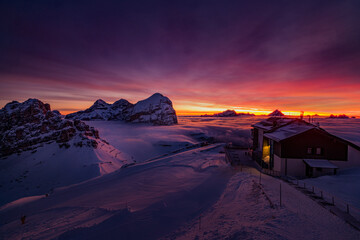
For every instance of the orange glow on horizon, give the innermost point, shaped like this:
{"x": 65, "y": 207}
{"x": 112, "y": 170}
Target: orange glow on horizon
{"x": 195, "y": 109}
{"x": 257, "y": 113}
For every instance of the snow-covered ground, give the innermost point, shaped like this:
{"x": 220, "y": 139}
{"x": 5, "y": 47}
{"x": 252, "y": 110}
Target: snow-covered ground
{"x": 244, "y": 212}
{"x": 40, "y": 171}
{"x": 345, "y": 185}
{"x": 192, "y": 194}
{"x": 191, "y": 180}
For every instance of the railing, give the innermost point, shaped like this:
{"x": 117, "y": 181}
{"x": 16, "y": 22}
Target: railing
{"x": 328, "y": 198}
{"x": 271, "y": 172}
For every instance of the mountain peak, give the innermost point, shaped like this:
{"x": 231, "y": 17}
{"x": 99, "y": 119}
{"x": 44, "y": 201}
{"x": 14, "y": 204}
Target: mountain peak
{"x": 157, "y": 109}
{"x": 276, "y": 113}
{"x": 100, "y": 102}
{"x": 27, "y": 125}
{"x": 157, "y": 95}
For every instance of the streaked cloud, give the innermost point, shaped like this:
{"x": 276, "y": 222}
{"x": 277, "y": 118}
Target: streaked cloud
{"x": 293, "y": 55}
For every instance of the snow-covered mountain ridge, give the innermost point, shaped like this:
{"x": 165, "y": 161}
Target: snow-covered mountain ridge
{"x": 40, "y": 151}
{"x": 25, "y": 126}
{"x": 157, "y": 110}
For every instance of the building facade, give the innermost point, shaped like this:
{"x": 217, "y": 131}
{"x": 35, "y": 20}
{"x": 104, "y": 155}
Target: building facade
{"x": 294, "y": 147}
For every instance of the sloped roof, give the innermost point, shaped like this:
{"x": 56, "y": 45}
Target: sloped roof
{"x": 273, "y": 122}
{"x": 288, "y": 131}
{"x": 320, "y": 163}
{"x": 278, "y": 129}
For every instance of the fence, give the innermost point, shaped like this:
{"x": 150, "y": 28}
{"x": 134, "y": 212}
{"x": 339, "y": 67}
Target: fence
{"x": 328, "y": 198}
{"x": 271, "y": 172}
{"x": 325, "y": 198}
{"x": 314, "y": 192}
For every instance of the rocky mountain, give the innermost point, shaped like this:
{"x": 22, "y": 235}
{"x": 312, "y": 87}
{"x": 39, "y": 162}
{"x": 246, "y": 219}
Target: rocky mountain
{"x": 157, "y": 110}
{"x": 101, "y": 110}
{"x": 24, "y": 126}
{"x": 40, "y": 150}
{"x": 343, "y": 116}
{"x": 228, "y": 113}
{"x": 276, "y": 113}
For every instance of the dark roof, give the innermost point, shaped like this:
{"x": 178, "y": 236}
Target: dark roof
{"x": 320, "y": 163}
{"x": 272, "y": 122}
{"x": 279, "y": 129}
{"x": 288, "y": 131}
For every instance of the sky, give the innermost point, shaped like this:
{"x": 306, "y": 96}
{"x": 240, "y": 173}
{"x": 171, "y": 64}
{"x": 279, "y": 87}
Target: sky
{"x": 206, "y": 56}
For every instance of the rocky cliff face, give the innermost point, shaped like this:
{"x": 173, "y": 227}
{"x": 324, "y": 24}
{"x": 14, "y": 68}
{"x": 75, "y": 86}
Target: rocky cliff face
{"x": 228, "y": 113}
{"x": 276, "y": 113}
{"x": 27, "y": 125}
{"x": 157, "y": 110}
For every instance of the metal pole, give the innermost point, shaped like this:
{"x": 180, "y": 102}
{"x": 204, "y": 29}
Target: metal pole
{"x": 200, "y": 222}
{"x": 260, "y": 178}
{"x": 280, "y": 194}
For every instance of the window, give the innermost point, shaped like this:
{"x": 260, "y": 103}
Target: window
{"x": 309, "y": 151}
{"x": 318, "y": 151}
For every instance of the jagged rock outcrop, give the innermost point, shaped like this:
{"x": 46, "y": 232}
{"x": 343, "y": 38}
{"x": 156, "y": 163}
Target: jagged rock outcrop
{"x": 343, "y": 116}
{"x": 276, "y": 113}
{"x": 157, "y": 110}
{"x": 228, "y": 113}
{"x": 100, "y": 110}
{"x": 25, "y": 126}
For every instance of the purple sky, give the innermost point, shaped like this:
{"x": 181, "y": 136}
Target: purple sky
{"x": 204, "y": 55}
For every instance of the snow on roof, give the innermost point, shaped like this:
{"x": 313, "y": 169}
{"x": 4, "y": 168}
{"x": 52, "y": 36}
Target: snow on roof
{"x": 290, "y": 130}
{"x": 272, "y": 122}
{"x": 319, "y": 163}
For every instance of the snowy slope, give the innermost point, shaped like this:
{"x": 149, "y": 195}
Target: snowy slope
{"x": 345, "y": 185}
{"x": 244, "y": 212}
{"x": 39, "y": 151}
{"x": 40, "y": 171}
{"x": 25, "y": 126}
{"x": 156, "y": 109}
{"x": 140, "y": 188}
{"x": 192, "y": 195}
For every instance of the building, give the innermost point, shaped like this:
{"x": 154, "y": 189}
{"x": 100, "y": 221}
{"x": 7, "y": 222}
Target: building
{"x": 294, "y": 147}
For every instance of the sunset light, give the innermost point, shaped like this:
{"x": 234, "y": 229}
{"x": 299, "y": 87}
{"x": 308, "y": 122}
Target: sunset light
{"x": 180, "y": 119}
{"x": 299, "y": 60}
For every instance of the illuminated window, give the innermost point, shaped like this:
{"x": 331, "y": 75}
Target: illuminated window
{"x": 318, "y": 151}
{"x": 309, "y": 151}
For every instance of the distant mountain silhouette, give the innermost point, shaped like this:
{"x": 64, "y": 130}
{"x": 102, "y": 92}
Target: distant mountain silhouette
{"x": 276, "y": 113}
{"x": 228, "y": 113}
{"x": 339, "y": 116}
